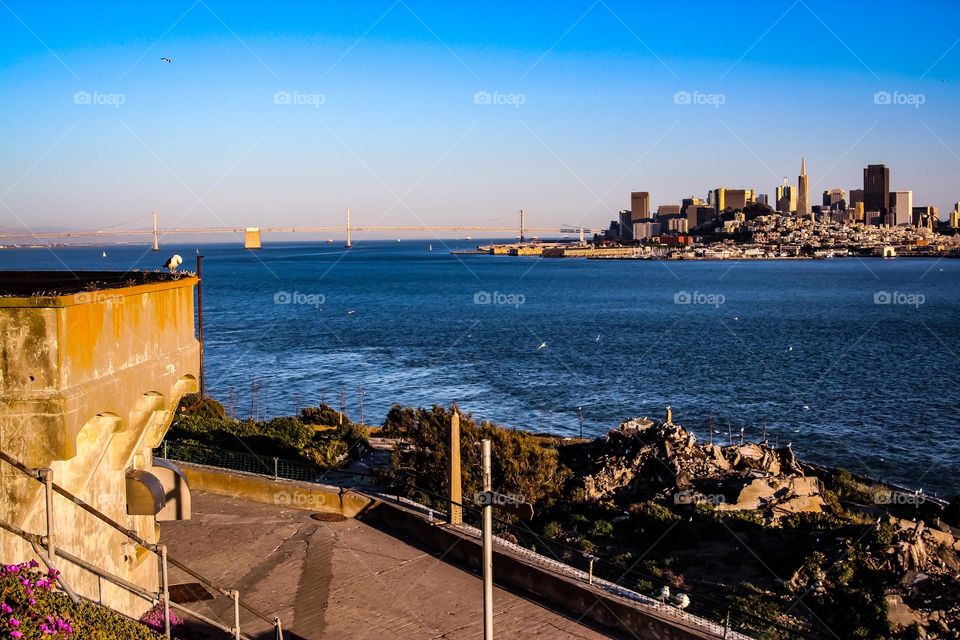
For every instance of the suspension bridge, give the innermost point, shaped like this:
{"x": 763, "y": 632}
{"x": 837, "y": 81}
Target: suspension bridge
{"x": 252, "y": 236}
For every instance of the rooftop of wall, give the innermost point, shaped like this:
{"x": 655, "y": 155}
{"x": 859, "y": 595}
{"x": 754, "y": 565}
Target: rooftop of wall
{"x": 63, "y": 288}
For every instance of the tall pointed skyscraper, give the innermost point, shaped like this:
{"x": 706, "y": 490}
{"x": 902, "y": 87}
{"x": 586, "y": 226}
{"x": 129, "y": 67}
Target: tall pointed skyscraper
{"x": 803, "y": 198}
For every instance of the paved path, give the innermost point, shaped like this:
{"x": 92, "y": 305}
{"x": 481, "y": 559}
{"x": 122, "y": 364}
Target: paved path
{"x": 342, "y": 580}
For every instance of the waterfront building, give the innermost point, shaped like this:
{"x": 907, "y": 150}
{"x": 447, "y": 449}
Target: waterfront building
{"x": 643, "y": 230}
{"x": 640, "y": 205}
{"x": 803, "y": 189}
{"x": 876, "y": 193}
{"x": 901, "y": 209}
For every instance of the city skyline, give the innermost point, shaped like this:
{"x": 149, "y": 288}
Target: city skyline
{"x": 415, "y": 113}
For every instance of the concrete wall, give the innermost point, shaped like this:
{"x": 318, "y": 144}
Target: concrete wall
{"x": 88, "y": 386}
{"x": 286, "y": 493}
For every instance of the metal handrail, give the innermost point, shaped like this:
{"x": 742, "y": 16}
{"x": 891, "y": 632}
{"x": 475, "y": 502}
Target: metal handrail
{"x": 45, "y": 477}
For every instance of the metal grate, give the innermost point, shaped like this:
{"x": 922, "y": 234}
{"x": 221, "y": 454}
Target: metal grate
{"x": 328, "y": 517}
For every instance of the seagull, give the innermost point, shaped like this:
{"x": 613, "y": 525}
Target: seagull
{"x": 166, "y": 60}
{"x": 806, "y": 407}
{"x": 351, "y": 312}
{"x": 598, "y": 338}
{"x": 173, "y": 262}
{"x": 790, "y": 349}
{"x": 543, "y": 345}
{"x": 736, "y": 317}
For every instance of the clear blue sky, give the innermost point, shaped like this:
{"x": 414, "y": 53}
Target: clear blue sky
{"x": 399, "y": 137}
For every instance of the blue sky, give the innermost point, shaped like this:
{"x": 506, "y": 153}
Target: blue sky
{"x": 277, "y": 113}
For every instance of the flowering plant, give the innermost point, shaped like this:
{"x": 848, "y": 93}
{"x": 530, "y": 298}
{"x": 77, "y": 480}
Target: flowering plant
{"x": 23, "y": 590}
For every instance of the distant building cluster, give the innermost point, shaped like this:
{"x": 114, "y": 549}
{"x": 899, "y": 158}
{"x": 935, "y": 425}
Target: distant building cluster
{"x": 734, "y": 212}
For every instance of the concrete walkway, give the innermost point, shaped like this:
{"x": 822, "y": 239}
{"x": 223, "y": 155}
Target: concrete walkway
{"x": 341, "y": 579}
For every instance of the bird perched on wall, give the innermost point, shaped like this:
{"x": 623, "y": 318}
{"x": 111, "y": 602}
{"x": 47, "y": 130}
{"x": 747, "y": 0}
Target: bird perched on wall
{"x": 166, "y": 60}
{"x": 173, "y": 262}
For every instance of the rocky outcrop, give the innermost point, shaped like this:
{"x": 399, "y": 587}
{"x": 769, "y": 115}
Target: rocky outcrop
{"x": 646, "y": 460}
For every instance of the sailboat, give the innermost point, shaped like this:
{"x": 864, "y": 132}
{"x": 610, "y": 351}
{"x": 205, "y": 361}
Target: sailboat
{"x": 430, "y": 247}
{"x": 104, "y": 254}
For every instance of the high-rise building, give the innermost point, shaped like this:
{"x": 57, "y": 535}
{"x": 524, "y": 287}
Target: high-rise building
{"x": 733, "y": 199}
{"x": 876, "y": 193}
{"x": 626, "y": 225}
{"x": 856, "y": 195}
{"x": 640, "y": 205}
{"x": 859, "y": 213}
{"x": 763, "y": 198}
{"x": 834, "y": 199}
{"x": 901, "y": 208}
{"x": 786, "y": 198}
{"x": 803, "y": 195}
{"x": 925, "y": 217}
{"x": 667, "y": 211}
{"x": 955, "y": 217}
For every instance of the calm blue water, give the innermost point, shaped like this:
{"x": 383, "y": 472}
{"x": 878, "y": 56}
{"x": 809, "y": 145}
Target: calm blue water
{"x": 800, "y": 347}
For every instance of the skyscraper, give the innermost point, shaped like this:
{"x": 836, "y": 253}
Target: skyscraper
{"x": 786, "y": 198}
{"x": 876, "y": 193}
{"x": 640, "y": 205}
{"x": 803, "y": 197}
{"x": 901, "y": 208}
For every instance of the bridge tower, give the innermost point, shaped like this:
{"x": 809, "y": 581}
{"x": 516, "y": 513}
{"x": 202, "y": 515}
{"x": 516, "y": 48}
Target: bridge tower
{"x": 348, "y": 243}
{"x": 521, "y": 225}
{"x": 156, "y": 231}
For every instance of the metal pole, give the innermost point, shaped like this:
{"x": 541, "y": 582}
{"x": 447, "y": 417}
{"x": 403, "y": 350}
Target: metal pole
{"x": 47, "y": 475}
{"x": 203, "y": 382}
{"x": 590, "y": 579}
{"x": 276, "y": 475}
{"x": 580, "y": 418}
{"x": 487, "y": 547}
{"x": 279, "y": 629}
{"x": 726, "y": 625}
{"x": 165, "y": 587}
{"x": 236, "y": 614}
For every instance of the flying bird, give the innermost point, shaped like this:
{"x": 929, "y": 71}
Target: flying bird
{"x": 166, "y": 60}
{"x": 543, "y": 345}
{"x": 598, "y": 338}
{"x": 173, "y": 262}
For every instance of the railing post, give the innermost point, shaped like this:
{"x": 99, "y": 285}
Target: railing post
{"x": 236, "y": 614}
{"x": 47, "y": 476}
{"x": 276, "y": 467}
{"x": 279, "y": 629}
{"x": 165, "y": 588}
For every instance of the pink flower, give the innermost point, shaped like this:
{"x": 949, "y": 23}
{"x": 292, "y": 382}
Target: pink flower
{"x": 15, "y": 634}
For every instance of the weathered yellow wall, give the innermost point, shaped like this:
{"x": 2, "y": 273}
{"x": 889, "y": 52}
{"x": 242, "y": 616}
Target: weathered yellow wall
{"x": 283, "y": 493}
{"x": 88, "y": 386}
